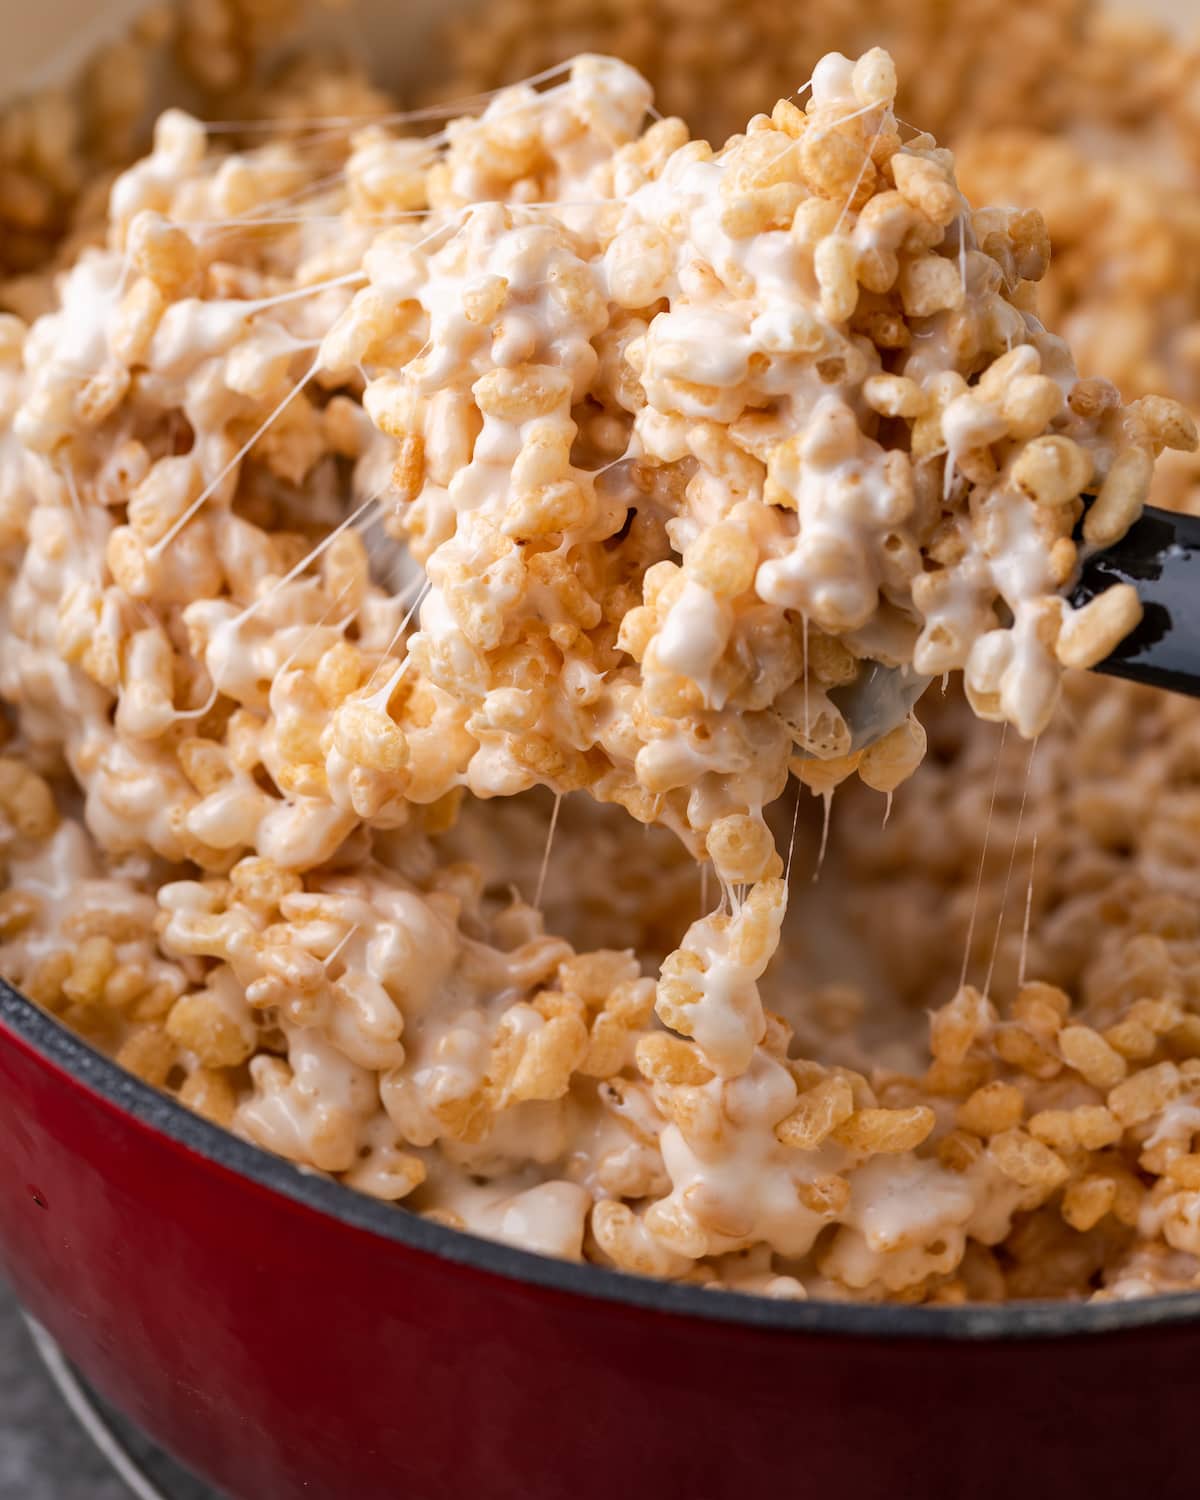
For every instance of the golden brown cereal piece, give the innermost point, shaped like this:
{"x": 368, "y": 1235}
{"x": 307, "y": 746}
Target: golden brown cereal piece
{"x": 1131, "y": 1194}
{"x": 390, "y": 1175}
{"x": 1144, "y": 1094}
{"x": 1091, "y": 1056}
{"x": 827, "y": 1196}
{"x": 927, "y": 186}
{"x": 596, "y": 976}
{"x": 819, "y": 1110}
{"x": 663, "y": 1058}
{"x": 368, "y": 737}
{"x": 44, "y": 983}
{"x": 757, "y": 212}
{"x": 198, "y": 1024}
{"x": 137, "y": 319}
{"x": 1120, "y": 499}
{"x": 1027, "y": 1161}
{"x": 885, "y": 1130}
{"x": 18, "y": 910}
{"x": 1185, "y": 1170}
{"x": 1030, "y": 403}
{"x": 893, "y": 758}
{"x": 895, "y": 396}
{"x": 1087, "y": 1201}
{"x": 1095, "y": 1127}
{"x": 1041, "y": 1006}
{"x": 1052, "y": 470}
{"x": 163, "y": 252}
{"x": 702, "y": 1205}
{"x": 1090, "y": 634}
{"x": 548, "y": 509}
{"x": 874, "y": 77}
{"x": 723, "y": 558}
{"x": 1054, "y": 1128}
{"x": 1132, "y": 1038}
{"x": 26, "y": 800}
{"x": 149, "y": 1052}
{"x": 1090, "y": 397}
{"x": 521, "y": 393}
{"x": 610, "y": 1039}
{"x": 1168, "y": 424}
{"x": 831, "y": 163}
{"x": 959, "y": 1150}
{"x": 930, "y": 285}
{"x": 210, "y": 1094}
{"x": 1022, "y": 1048}
{"x": 958, "y": 1024}
{"x": 1161, "y": 1016}
{"x": 624, "y": 1239}
{"x": 549, "y": 1058}
{"x": 741, "y": 848}
{"x": 92, "y": 964}
{"x": 836, "y": 265}
{"x": 991, "y": 1109}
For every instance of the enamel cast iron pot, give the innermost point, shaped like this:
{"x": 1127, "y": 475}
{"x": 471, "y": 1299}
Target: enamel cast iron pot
{"x": 292, "y": 1340}
{"x": 289, "y": 1339}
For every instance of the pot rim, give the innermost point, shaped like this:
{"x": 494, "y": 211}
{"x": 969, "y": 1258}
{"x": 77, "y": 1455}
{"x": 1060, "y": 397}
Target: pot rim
{"x": 54, "y": 1044}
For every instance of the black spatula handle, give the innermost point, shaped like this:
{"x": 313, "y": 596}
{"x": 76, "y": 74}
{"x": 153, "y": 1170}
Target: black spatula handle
{"x": 1160, "y": 556}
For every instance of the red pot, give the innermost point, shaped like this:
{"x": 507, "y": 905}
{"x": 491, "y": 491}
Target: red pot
{"x": 291, "y": 1340}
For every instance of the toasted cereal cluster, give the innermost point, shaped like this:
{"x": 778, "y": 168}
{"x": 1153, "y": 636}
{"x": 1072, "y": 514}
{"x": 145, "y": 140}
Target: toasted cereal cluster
{"x": 1044, "y": 1151}
{"x": 1075, "y": 861}
{"x": 1077, "y": 108}
{"x": 359, "y": 479}
{"x": 61, "y": 146}
{"x": 976, "y": 65}
{"x": 1124, "y": 281}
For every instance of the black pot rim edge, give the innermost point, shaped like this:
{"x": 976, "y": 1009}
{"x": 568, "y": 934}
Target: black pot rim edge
{"x": 62, "y": 1048}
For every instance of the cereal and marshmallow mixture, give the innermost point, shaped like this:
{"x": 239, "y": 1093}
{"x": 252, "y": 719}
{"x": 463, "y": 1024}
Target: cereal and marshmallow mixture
{"x": 364, "y": 493}
{"x": 1086, "y": 111}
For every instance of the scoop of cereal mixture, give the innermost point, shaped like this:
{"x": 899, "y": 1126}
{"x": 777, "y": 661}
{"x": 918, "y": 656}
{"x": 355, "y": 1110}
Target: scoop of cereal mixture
{"x": 365, "y": 492}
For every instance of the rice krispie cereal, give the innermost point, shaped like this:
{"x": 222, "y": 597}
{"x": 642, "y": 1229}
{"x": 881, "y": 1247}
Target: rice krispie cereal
{"x": 61, "y": 146}
{"x": 1080, "y": 109}
{"x": 975, "y": 66}
{"x": 368, "y": 491}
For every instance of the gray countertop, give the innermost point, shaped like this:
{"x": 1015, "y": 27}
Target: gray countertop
{"x": 44, "y": 1454}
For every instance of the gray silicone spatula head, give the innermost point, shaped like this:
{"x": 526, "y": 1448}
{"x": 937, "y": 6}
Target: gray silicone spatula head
{"x": 879, "y": 699}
